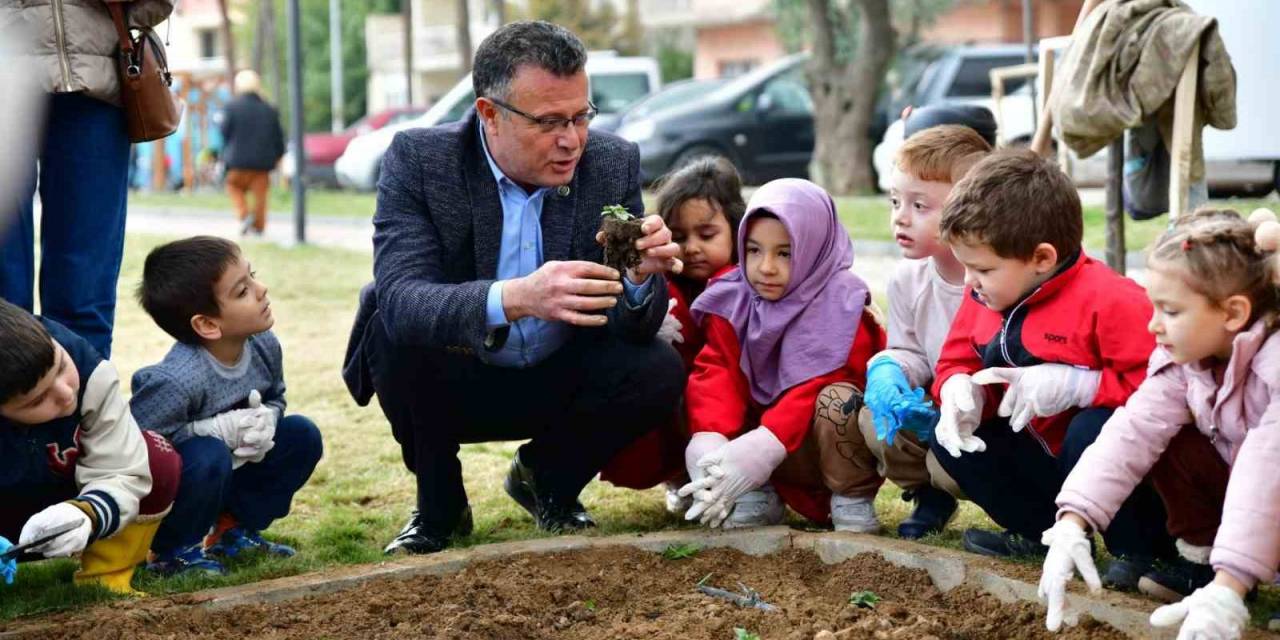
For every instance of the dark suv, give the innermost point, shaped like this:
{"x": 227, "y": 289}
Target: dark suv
{"x": 763, "y": 121}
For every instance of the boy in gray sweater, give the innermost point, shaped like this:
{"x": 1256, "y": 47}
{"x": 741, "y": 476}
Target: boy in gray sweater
{"x": 219, "y": 397}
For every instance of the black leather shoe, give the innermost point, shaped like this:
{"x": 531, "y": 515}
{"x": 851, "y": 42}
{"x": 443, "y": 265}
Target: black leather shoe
{"x": 416, "y": 538}
{"x": 934, "y": 509}
{"x": 551, "y": 512}
{"x": 1002, "y": 544}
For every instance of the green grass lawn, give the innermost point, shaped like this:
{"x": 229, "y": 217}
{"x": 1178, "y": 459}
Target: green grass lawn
{"x": 867, "y": 217}
{"x": 361, "y": 493}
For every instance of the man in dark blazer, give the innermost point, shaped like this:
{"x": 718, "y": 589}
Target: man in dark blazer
{"x": 490, "y": 317}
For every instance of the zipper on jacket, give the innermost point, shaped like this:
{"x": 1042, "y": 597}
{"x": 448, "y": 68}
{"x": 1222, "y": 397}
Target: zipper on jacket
{"x": 1004, "y": 329}
{"x": 59, "y": 30}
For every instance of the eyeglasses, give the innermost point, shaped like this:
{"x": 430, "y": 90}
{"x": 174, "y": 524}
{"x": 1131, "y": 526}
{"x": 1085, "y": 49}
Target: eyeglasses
{"x": 549, "y": 124}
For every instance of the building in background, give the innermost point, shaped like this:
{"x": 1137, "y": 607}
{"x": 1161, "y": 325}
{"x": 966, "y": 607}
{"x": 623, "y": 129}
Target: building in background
{"x": 436, "y": 60}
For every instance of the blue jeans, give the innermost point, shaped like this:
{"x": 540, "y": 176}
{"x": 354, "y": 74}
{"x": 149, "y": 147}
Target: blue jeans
{"x": 256, "y": 493}
{"x": 83, "y": 192}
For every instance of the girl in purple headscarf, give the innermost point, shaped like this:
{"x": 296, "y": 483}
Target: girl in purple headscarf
{"x": 786, "y": 332}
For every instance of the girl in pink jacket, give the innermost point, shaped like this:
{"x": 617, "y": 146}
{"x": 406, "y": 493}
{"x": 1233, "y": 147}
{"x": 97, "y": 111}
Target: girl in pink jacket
{"x": 1204, "y": 429}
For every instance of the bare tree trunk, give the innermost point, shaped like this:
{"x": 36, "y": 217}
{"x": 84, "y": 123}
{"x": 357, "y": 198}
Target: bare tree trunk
{"x": 464, "y": 37}
{"x": 260, "y": 36}
{"x": 844, "y": 93}
{"x": 500, "y": 11}
{"x": 406, "y": 16}
{"x": 228, "y": 42}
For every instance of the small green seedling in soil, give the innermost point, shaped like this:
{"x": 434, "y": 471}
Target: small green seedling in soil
{"x": 680, "y": 551}
{"x": 616, "y": 211}
{"x": 704, "y": 580}
{"x": 865, "y": 599}
{"x": 620, "y": 230}
{"x": 590, "y": 604}
{"x": 742, "y": 634}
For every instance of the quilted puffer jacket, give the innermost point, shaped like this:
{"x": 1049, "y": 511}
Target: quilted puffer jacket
{"x": 72, "y": 44}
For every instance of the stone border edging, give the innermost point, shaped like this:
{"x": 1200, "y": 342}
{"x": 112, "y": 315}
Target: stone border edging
{"x": 948, "y": 569}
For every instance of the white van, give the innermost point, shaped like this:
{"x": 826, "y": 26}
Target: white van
{"x": 615, "y": 82}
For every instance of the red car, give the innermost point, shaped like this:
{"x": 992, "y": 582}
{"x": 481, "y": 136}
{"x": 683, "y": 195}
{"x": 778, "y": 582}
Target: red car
{"x": 323, "y": 149}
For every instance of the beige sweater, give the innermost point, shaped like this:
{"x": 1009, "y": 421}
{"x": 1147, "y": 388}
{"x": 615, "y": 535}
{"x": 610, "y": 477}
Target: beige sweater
{"x": 921, "y": 307}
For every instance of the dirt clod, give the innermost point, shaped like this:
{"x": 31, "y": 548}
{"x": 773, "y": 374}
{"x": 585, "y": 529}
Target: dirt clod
{"x": 620, "y": 242}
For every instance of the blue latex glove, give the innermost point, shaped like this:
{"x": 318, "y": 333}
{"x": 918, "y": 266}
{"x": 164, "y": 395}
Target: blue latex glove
{"x": 917, "y": 415}
{"x": 887, "y": 387}
{"x": 7, "y": 569}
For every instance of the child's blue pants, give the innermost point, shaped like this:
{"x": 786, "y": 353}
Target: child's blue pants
{"x": 255, "y": 494}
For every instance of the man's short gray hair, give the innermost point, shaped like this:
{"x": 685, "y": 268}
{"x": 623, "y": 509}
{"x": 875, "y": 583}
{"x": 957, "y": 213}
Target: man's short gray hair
{"x": 537, "y": 43}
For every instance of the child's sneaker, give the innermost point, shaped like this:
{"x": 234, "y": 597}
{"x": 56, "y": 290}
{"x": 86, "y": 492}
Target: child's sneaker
{"x": 676, "y": 503}
{"x": 238, "y": 540}
{"x": 1174, "y": 580}
{"x": 854, "y": 514}
{"x": 1001, "y": 544}
{"x": 1125, "y": 572}
{"x": 191, "y": 560}
{"x": 934, "y": 509}
{"x": 759, "y": 508}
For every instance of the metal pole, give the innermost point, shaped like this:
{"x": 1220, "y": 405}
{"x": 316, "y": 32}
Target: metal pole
{"x": 295, "y": 123}
{"x": 336, "y": 94}
{"x": 1115, "y": 205}
{"x": 406, "y": 13}
{"x": 1028, "y": 35}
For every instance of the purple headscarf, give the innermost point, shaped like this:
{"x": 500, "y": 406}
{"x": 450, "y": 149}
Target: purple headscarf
{"x": 809, "y": 331}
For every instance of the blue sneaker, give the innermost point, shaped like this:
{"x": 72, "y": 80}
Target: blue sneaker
{"x": 239, "y": 540}
{"x": 186, "y": 561}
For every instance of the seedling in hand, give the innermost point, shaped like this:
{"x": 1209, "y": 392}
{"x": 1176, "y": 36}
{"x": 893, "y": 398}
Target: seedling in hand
{"x": 620, "y": 230}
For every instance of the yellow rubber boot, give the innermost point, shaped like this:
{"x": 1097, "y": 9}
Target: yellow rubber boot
{"x": 111, "y": 562}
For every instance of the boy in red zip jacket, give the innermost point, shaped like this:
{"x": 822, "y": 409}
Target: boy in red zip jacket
{"x": 1046, "y": 338}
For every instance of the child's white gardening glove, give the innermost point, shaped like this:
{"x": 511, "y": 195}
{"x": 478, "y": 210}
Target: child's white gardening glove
{"x": 732, "y": 470}
{"x": 1069, "y": 552}
{"x": 1212, "y": 612}
{"x": 960, "y": 404}
{"x": 702, "y": 443}
{"x": 55, "y": 517}
{"x": 259, "y": 439}
{"x": 1041, "y": 390}
{"x": 669, "y": 332}
{"x": 228, "y": 427}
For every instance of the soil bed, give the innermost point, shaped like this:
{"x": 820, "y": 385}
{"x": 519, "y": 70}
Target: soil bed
{"x": 602, "y": 593}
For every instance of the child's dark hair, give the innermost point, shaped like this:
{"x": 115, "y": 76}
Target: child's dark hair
{"x": 178, "y": 282}
{"x": 1013, "y": 200}
{"x": 26, "y": 351}
{"x": 1218, "y": 256}
{"x": 709, "y": 178}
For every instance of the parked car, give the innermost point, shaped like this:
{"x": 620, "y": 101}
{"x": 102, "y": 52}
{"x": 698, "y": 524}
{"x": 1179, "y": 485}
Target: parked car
{"x": 323, "y": 149}
{"x": 761, "y": 121}
{"x": 672, "y": 94}
{"x": 616, "y": 82}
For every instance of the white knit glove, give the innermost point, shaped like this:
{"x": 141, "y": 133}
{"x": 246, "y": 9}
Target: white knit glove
{"x": 67, "y": 544}
{"x": 1041, "y": 390}
{"x": 1212, "y": 612}
{"x": 960, "y": 404}
{"x": 1069, "y": 552}
{"x": 732, "y": 470}
{"x": 256, "y": 441}
{"x": 669, "y": 332}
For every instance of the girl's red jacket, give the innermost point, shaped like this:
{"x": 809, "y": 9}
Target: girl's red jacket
{"x": 684, "y": 294}
{"x": 1086, "y": 316}
{"x": 718, "y": 399}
